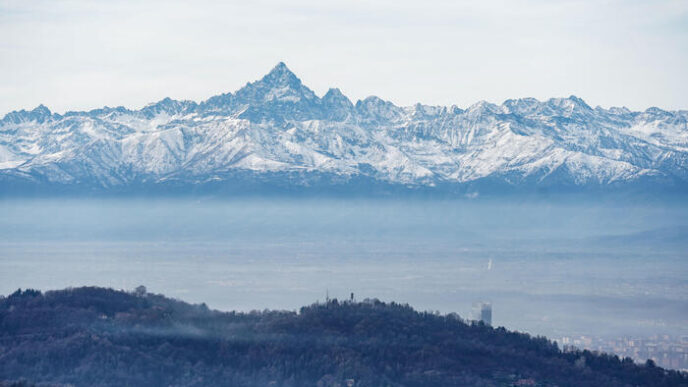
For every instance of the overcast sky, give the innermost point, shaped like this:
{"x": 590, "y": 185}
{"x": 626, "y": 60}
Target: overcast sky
{"x": 76, "y": 55}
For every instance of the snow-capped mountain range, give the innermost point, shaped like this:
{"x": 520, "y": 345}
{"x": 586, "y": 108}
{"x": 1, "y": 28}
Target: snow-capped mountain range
{"x": 276, "y": 132}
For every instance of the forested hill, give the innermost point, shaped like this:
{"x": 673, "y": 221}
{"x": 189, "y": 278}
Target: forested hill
{"x": 95, "y": 336}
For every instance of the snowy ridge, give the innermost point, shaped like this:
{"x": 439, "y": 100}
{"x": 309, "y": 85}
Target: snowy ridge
{"x": 277, "y": 128}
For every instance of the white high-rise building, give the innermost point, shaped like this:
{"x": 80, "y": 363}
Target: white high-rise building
{"x": 482, "y": 311}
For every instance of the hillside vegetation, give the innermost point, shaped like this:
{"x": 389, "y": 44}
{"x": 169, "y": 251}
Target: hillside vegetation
{"x": 97, "y": 336}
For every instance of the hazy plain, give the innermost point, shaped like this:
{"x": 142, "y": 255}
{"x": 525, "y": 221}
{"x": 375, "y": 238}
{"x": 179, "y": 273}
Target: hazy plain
{"x": 552, "y": 268}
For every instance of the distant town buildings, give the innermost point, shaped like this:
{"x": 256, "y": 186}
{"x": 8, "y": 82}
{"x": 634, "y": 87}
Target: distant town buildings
{"x": 666, "y": 351}
{"x": 482, "y": 311}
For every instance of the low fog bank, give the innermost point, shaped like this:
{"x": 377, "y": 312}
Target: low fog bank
{"x": 555, "y": 268}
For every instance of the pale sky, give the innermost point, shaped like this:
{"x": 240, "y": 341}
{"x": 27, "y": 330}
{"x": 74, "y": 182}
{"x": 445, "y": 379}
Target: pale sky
{"x": 85, "y": 54}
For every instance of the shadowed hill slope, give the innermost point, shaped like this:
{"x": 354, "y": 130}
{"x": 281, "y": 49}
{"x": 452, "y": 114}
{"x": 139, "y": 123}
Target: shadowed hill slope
{"x": 96, "y": 336}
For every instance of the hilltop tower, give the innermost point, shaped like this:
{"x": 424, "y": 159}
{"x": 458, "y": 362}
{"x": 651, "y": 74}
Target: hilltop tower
{"x": 482, "y": 311}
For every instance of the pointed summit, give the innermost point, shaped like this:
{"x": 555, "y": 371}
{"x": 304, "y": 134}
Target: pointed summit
{"x": 280, "y": 75}
{"x": 279, "y": 85}
{"x": 334, "y": 97}
{"x": 42, "y": 110}
{"x": 277, "y": 96}
{"x": 281, "y": 68}
{"x": 337, "y": 106}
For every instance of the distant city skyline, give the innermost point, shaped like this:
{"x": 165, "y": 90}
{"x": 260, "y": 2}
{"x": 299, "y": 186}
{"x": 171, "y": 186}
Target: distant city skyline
{"x": 82, "y": 55}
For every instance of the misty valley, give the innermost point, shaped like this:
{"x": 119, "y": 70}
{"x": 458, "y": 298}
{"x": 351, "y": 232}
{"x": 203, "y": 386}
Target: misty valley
{"x": 591, "y": 275}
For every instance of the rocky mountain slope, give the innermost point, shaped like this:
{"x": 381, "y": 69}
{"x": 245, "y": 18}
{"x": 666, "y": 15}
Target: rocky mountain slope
{"x": 277, "y": 132}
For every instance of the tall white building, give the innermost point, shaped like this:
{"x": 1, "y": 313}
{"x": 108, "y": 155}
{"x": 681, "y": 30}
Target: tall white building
{"x": 482, "y": 311}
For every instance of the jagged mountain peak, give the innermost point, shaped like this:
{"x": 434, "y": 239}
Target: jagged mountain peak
{"x": 334, "y": 93}
{"x": 38, "y": 114}
{"x": 572, "y": 102}
{"x": 376, "y": 109}
{"x": 520, "y": 103}
{"x": 277, "y": 128}
{"x": 281, "y": 74}
{"x": 164, "y": 101}
{"x": 335, "y": 97}
{"x": 336, "y": 106}
{"x": 168, "y": 106}
{"x": 655, "y": 110}
{"x": 426, "y": 111}
{"x": 42, "y": 110}
{"x": 279, "y": 85}
{"x": 374, "y": 101}
{"x": 482, "y": 107}
{"x": 616, "y": 110}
